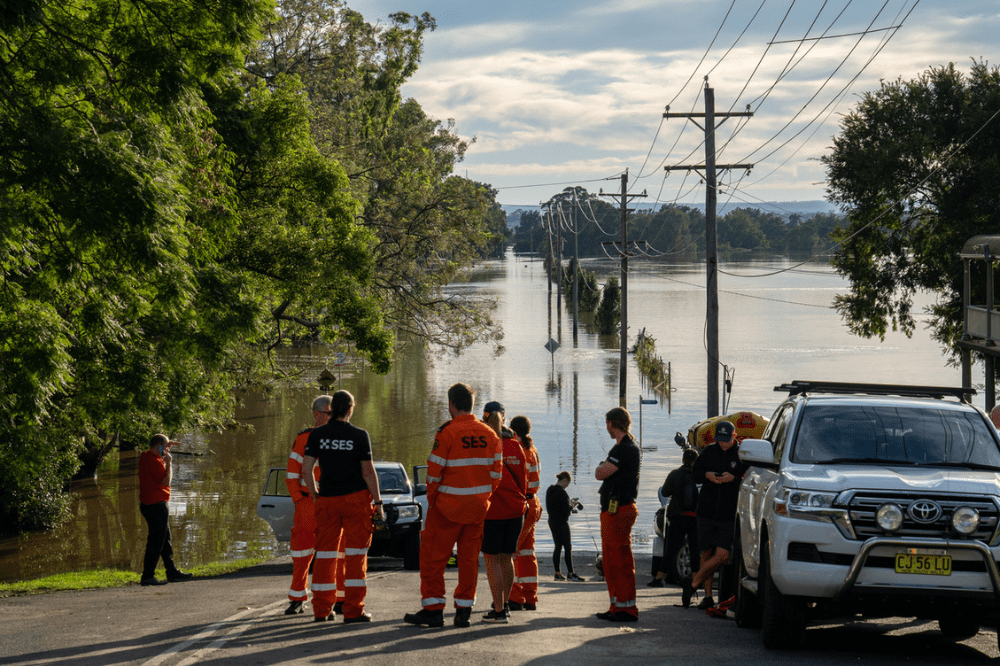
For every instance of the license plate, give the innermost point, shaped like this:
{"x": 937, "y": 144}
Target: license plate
{"x": 931, "y": 565}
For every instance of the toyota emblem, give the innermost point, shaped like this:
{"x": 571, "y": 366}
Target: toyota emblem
{"x": 924, "y": 512}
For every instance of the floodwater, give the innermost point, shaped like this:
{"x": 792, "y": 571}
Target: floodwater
{"x": 773, "y": 329}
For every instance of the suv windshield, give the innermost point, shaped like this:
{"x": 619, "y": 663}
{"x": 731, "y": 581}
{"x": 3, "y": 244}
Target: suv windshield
{"x": 392, "y": 481}
{"x": 894, "y": 434}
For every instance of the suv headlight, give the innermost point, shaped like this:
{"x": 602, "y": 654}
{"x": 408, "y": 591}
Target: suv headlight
{"x": 407, "y": 512}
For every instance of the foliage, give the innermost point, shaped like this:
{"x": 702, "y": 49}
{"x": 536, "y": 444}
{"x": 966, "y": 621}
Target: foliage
{"x": 428, "y": 224}
{"x": 588, "y": 292}
{"x": 652, "y": 367}
{"x": 116, "y": 317}
{"x": 609, "y": 312}
{"x": 915, "y": 166}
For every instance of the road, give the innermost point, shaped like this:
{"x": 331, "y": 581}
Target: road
{"x": 238, "y": 619}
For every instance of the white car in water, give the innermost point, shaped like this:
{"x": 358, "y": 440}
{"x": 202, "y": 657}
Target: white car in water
{"x": 405, "y": 505}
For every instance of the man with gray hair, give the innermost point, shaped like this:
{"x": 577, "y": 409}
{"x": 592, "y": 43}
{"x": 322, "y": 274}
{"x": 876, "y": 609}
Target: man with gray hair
{"x": 303, "y": 541}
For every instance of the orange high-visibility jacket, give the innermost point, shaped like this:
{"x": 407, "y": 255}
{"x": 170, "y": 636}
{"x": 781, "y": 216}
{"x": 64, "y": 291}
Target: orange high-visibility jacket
{"x": 297, "y": 487}
{"x": 463, "y": 469}
{"x": 534, "y": 469}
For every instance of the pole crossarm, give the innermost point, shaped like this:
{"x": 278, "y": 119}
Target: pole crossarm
{"x": 701, "y": 167}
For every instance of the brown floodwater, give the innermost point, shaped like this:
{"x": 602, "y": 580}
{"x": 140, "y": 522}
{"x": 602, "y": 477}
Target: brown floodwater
{"x": 774, "y": 330}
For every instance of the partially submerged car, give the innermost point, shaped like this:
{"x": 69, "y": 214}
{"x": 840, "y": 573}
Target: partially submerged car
{"x": 405, "y": 505}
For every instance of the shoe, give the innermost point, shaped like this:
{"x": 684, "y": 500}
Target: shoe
{"x": 656, "y": 582}
{"x": 325, "y": 618}
{"x": 572, "y": 576}
{"x": 622, "y": 616}
{"x": 529, "y": 606}
{"x": 706, "y": 603}
{"x": 178, "y": 576}
{"x": 607, "y": 615}
{"x": 452, "y": 561}
{"x": 430, "y": 618}
{"x": 463, "y": 617}
{"x": 496, "y": 617}
{"x": 338, "y": 608}
{"x": 686, "y": 592}
{"x": 514, "y": 606}
{"x": 364, "y": 617}
{"x": 294, "y": 608}
{"x": 146, "y": 582}
{"x": 559, "y": 576}
{"x": 725, "y": 605}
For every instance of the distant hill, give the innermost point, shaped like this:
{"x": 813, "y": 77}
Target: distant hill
{"x": 782, "y": 208}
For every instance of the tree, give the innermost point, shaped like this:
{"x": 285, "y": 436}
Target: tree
{"x": 116, "y": 316}
{"x": 609, "y": 312}
{"x": 428, "y": 224}
{"x": 915, "y": 167}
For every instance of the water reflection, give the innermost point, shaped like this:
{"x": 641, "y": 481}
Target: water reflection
{"x": 772, "y": 331}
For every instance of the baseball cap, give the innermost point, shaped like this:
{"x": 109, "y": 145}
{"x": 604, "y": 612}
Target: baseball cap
{"x": 724, "y": 431}
{"x": 493, "y": 406}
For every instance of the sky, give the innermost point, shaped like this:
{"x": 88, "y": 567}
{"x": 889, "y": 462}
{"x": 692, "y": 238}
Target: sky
{"x": 553, "y": 94}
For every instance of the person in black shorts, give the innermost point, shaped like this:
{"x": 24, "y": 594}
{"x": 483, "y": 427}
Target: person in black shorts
{"x": 720, "y": 472}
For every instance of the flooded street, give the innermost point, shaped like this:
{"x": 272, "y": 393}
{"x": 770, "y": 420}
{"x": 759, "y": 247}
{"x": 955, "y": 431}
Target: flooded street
{"x": 772, "y": 329}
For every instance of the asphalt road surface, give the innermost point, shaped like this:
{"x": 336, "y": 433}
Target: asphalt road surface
{"x": 239, "y": 619}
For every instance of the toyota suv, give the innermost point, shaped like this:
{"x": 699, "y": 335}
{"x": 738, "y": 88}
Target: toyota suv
{"x": 872, "y": 500}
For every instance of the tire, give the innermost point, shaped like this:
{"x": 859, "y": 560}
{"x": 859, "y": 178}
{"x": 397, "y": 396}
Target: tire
{"x": 747, "y": 607}
{"x": 682, "y": 562}
{"x": 411, "y": 553}
{"x": 959, "y": 627}
{"x": 783, "y": 624}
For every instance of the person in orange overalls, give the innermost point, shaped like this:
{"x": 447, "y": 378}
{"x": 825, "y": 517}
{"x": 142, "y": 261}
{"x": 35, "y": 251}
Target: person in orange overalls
{"x": 348, "y": 487}
{"x": 303, "y": 541}
{"x": 619, "y": 475}
{"x": 463, "y": 469}
{"x": 524, "y": 595}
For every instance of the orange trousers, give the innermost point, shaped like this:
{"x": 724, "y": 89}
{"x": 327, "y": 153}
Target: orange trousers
{"x": 303, "y": 545}
{"x": 343, "y": 522}
{"x": 619, "y": 564}
{"x": 525, "y": 590}
{"x": 437, "y": 539}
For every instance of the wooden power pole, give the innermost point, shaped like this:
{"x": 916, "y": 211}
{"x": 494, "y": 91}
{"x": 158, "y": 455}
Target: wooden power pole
{"x": 708, "y": 171}
{"x": 624, "y": 254}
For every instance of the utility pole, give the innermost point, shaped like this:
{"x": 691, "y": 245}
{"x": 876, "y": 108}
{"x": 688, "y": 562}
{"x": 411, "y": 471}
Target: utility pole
{"x": 624, "y": 254}
{"x": 708, "y": 170}
{"x": 576, "y": 267}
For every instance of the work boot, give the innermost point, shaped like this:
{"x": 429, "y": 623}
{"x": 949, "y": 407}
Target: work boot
{"x": 338, "y": 608}
{"x": 294, "y": 608}
{"x": 430, "y": 618}
{"x": 463, "y": 617}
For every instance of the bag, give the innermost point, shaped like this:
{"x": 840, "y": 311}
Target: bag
{"x": 688, "y": 495}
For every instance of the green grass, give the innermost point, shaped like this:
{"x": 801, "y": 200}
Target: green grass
{"x": 104, "y": 578}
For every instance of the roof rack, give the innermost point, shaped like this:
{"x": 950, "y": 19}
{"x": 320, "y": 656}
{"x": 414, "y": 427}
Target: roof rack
{"x": 799, "y": 387}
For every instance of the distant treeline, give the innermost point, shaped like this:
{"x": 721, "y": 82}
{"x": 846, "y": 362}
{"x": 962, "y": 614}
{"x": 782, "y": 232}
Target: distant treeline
{"x": 676, "y": 232}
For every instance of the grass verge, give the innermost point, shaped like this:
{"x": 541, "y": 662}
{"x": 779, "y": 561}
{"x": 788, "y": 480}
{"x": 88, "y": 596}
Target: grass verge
{"x": 104, "y": 578}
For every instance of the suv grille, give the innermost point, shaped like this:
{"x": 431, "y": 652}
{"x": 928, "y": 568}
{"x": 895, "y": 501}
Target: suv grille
{"x": 862, "y": 508}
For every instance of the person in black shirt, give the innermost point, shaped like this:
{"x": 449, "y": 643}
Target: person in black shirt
{"x": 682, "y": 490}
{"x": 720, "y": 472}
{"x": 619, "y": 475}
{"x": 559, "y": 507}
{"x": 348, "y": 488}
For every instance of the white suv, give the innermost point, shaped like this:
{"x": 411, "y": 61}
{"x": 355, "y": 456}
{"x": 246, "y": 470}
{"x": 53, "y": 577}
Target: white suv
{"x": 869, "y": 499}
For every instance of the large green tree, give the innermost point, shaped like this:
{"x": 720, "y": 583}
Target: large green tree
{"x": 916, "y": 167}
{"x": 428, "y": 223}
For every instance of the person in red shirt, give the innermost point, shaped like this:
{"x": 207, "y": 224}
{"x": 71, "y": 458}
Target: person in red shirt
{"x": 155, "y": 475}
{"x": 504, "y": 517}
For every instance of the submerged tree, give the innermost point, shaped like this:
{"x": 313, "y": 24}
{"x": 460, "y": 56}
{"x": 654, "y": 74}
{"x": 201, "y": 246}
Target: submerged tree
{"x": 609, "y": 312}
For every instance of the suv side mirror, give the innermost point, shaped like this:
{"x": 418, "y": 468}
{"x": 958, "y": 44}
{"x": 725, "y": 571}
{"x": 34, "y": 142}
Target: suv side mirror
{"x": 758, "y": 453}
{"x": 419, "y": 489}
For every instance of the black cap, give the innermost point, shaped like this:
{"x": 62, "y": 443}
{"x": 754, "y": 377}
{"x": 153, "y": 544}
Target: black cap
{"x": 493, "y": 406}
{"x": 724, "y": 431}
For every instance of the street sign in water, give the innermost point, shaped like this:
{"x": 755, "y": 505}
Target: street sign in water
{"x": 552, "y": 346}
{"x": 644, "y": 401}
